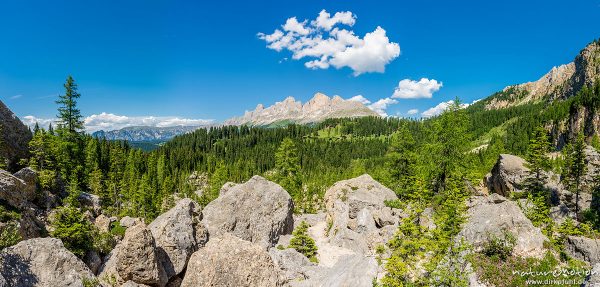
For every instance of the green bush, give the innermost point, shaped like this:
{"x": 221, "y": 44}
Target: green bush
{"x": 117, "y": 230}
{"x": 500, "y": 247}
{"x": 303, "y": 243}
{"x": 9, "y": 235}
{"x": 75, "y": 231}
{"x": 8, "y": 213}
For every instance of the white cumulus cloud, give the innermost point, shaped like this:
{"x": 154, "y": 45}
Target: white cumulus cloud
{"x": 412, "y": 112}
{"x": 410, "y": 89}
{"x": 109, "y": 121}
{"x": 326, "y": 22}
{"x": 360, "y": 99}
{"x": 324, "y": 44}
{"x": 30, "y": 121}
{"x": 381, "y": 106}
{"x": 441, "y": 107}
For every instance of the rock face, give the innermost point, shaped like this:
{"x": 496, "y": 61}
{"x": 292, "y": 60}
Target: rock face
{"x": 130, "y": 221}
{"x": 493, "y": 215}
{"x": 257, "y": 210}
{"x": 559, "y": 83}
{"x": 583, "y": 248}
{"x": 350, "y": 270}
{"x": 355, "y": 210}
{"x": 178, "y": 233}
{"x": 15, "y": 190}
{"x": 230, "y": 261}
{"x": 508, "y": 175}
{"x": 135, "y": 258}
{"x": 358, "y": 193}
{"x": 319, "y": 108}
{"x": 42, "y": 262}
{"x": 293, "y": 265}
{"x": 15, "y": 137}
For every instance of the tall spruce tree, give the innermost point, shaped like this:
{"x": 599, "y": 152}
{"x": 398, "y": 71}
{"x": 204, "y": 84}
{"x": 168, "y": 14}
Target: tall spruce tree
{"x": 401, "y": 161}
{"x": 68, "y": 114}
{"x": 287, "y": 165}
{"x": 575, "y": 167}
{"x": 447, "y": 148}
{"x": 538, "y": 161}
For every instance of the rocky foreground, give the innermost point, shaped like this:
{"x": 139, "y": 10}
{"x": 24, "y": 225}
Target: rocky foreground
{"x": 240, "y": 238}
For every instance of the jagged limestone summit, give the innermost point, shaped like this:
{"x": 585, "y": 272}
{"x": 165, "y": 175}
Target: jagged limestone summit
{"x": 317, "y": 109}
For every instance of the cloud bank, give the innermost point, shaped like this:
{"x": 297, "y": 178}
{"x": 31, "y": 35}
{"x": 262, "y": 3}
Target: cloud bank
{"x": 109, "y": 121}
{"x": 325, "y": 45}
{"x": 441, "y": 107}
{"x": 410, "y": 89}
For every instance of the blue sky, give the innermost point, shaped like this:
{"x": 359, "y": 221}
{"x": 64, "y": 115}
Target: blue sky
{"x": 204, "y": 60}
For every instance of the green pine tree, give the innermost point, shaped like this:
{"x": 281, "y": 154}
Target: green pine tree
{"x": 400, "y": 163}
{"x": 538, "y": 162}
{"x": 287, "y": 165}
{"x": 303, "y": 243}
{"x": 68, "y": 114}
{"x": 70, "y": 225}
{"x": 575, "y": 167}
{"x": 448, "y": 146}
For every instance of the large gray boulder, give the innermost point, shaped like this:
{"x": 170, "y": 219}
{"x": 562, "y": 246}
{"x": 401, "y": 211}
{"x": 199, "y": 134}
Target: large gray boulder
{"x": 340, "y": 233}
{"x": 130, "y": 221}
{"x": 42, "y": 262}
{"x": 15, "y": 137}
{"x": 350, "y": 271}
{"x": 257, "y": 210}
{"x": 358, "y": 193}
{"x": 492, "y": 216}
{"x": 355, "y": 210}
{"x": 15, "y": 190}
{"x": 135, "y": 258}
{"x": 178, "y": 233}
{"x": 293, "y": 265}
{"x": 28, "y": 176}
{"x": 583, "y": 248}
{"x": 30, "y": 224}
{"x": 507, "y": 175}
{"x": 230, "y": 261}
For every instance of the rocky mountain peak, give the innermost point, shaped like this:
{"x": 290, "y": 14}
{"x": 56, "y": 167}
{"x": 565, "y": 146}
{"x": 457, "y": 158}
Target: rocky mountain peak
{"x": 318, "y": 108}
{"x": 560, "y": 82}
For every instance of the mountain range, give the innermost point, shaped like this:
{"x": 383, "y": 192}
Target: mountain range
{"x": 145, "y": 133}
{"x": 317, "y": 109}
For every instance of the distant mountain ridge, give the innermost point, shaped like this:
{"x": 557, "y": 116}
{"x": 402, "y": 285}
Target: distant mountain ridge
{"x": 319, "y": 108}
{"x": 145, "y": 133}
